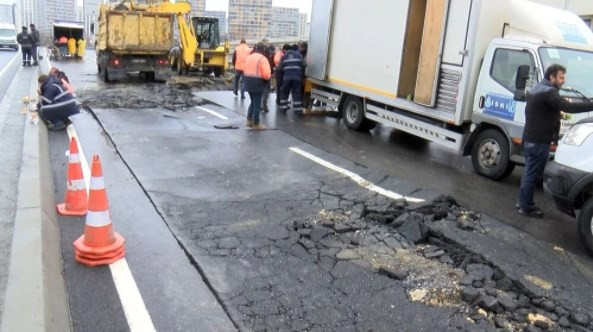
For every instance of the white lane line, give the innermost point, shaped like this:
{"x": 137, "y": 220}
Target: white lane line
{"x": 134, "y": 308}
{"x": 16, "y": 56}
{"x": 216, "y": 114}
{"x": 355, "y": 177}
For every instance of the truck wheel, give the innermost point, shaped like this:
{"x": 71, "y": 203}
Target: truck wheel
{"x": 218, "y": 72}
{"x": 586, "y": 225}
{"x": 105, "y": 74}
{"x": 490, "y": 155}
{"x": 353, "y": 114}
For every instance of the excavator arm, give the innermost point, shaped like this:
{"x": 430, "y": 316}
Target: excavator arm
{"x": 187, "y": 35}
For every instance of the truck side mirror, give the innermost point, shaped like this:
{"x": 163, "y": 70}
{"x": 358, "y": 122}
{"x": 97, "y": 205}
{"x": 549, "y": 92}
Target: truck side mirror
{"x": 521, "y": 82}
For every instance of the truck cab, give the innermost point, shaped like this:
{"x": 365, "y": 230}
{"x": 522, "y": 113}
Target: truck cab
{"x": 499, "y": 111}
{"x": 569, "y": 178}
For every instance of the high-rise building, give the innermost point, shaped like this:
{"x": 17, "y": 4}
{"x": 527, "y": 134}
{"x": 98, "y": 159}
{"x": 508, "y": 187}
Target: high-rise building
{"x": 284, "y": 23}
{"x": 249, "y": 19}
{"x": 303, "y": 22}
{"x": 79, "y": 14}
{"x": 222, "y": 22}
{"x": 29, "y": 12}
{"x": 90, "y": 11}
{"x": 198, "y": 7}
{"x": 52, "y": 10}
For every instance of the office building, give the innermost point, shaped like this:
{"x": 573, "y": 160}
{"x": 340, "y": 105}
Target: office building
{"x": 222, "y": 22}
{"x": 51, "y": 10}
{"x": 284, "y": 23}
{"x": 28, "y": 9}
{"x": 198, "y": 7}
{"x": 303, "y": 25}
{"x": 90, "y": 11}
{"x": 8, "y": 13}
{"x": 249, "y": 19}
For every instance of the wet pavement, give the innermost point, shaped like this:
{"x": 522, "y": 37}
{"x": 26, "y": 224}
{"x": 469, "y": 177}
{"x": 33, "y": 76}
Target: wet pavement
{"x": 286, "y": 241}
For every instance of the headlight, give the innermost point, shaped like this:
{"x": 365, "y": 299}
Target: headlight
{"x": 578, "y": 134}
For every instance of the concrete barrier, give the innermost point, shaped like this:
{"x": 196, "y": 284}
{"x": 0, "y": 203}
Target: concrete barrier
{"x": 36, "y": 298}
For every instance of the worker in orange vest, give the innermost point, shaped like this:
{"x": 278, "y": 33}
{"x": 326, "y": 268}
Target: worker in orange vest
{"x": 257, "y": 74}
{"x": 277, "y": 57}
{"x": 239, "y": 57}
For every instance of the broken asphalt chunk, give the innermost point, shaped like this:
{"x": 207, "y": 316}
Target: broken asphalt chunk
{"x": 393, "y": 273}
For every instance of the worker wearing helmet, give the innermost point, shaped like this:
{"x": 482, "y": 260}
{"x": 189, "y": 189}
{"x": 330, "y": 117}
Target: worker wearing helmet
{"x": 257, "y": 74}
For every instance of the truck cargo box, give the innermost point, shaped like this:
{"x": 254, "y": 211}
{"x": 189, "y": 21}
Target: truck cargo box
{"x": 129, "y": 31}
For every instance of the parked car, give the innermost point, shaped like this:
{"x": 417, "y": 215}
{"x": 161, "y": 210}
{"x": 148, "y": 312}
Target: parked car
{"x": 569, "y": 178}
{"x": 8, "y": 36}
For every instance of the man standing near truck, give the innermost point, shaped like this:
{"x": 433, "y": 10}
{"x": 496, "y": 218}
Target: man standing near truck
{"x": 257, "y": 74}
{"x": 291, "y": 69}
{"x": 239, "y": 57}
{"x": 36, "y": 39}
{"x": 26, "y": 42}
{"x": 542, "y": 122}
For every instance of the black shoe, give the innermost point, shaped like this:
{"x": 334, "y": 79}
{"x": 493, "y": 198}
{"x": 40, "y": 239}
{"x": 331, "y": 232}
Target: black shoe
{"x": 235, "y": 93}
{"x": 242, "y": 96}
{"x": 265, "y": 110}
{"x": 533, "y": 213}
{"x": 67, "y": 122}
{"x": 35, "y": 64}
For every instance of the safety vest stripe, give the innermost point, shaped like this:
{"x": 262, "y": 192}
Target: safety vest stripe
{"x": 98, "y": 219}
{"x": 74, "y": 158}
{"x": 292, "y": 67}
{"x": 75, "y": 185}
{"x": 97, "y": 183}
{"x": 292, "y": 60}
{"x": 63, "y": 103}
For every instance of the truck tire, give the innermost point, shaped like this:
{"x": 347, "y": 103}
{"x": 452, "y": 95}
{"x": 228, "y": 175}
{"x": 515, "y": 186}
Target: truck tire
{"x": 586, "y": 225}
{"x": 218, "y": 72}
{"x": 490, "y": 155}
{"x": 105, "y": 74}
{"x": 353, "y": 115}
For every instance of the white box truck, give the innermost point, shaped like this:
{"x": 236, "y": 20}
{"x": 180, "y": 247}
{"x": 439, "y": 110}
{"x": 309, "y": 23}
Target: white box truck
{"x": 444, "y": 70}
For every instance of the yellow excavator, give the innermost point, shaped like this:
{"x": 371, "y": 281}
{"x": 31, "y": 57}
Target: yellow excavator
{"x": 199, "y": 42}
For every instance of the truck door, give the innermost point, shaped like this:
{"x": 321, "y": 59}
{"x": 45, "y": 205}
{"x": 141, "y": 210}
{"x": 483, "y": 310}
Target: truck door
{"x": 496, "y": 89}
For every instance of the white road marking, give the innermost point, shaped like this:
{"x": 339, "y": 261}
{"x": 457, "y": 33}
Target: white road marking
{"x": 216, "y": 114}
{"x": 355, "y": 177}
{"x": 134, "y": 308}
{"x": 16, "y": 56}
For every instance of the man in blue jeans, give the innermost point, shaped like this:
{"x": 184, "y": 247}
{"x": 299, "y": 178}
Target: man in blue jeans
{"x": 542, "y": 122}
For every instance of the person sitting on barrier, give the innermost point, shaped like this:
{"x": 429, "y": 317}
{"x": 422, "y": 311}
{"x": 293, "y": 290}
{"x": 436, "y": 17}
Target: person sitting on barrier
{"x": 54, "y": 71}
{"x": 56, "y": 104}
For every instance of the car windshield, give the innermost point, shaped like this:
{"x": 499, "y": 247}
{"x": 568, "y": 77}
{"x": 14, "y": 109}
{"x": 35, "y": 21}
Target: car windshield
{"x": 7, "y": 33}
{"x": 579, "y": 66}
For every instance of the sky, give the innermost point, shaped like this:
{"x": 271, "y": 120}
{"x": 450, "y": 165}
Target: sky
{"x": 304, "y": 6}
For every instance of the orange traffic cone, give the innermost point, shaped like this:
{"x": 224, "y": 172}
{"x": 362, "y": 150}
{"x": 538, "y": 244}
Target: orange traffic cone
{"x": 99, "y": 245}
{"x": 75, "y": 203}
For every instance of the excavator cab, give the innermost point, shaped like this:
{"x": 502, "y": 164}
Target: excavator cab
{"x": 206, "y": 30}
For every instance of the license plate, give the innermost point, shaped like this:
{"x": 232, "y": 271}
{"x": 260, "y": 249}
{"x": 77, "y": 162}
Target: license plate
{"x": 139, "y": 60}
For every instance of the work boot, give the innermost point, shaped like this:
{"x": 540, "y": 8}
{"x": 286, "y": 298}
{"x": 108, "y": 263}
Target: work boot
{"x": 265, "y": 109}
{"x": 249, "y": 124}
{"x": 35, "y": 64}
{"x": 258, "y": 127}
{"x": 235, "y": 93}
{"x": 242, "y": 96}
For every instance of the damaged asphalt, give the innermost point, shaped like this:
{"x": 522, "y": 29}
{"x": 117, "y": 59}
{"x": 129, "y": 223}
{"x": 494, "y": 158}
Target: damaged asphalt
{"x": 289, "y": 245}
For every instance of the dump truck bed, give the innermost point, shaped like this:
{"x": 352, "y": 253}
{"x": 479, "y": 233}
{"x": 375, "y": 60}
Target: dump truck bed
{"x": 130, "y": 31}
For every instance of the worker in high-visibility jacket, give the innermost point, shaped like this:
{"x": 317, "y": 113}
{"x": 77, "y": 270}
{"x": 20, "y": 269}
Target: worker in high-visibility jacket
{"x": 72, "y": 46}
{"x": 80, "y": 48}
{"x": 239, "y": 57}
{"x": 257, "y": 74}
{"x": 292, "y": 67}
{"x": 277, "y": 57}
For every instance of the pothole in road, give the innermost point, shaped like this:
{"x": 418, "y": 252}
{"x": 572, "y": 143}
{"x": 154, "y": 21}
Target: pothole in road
{"x": 394, "y": 239}
{"x": 175, "y": 95}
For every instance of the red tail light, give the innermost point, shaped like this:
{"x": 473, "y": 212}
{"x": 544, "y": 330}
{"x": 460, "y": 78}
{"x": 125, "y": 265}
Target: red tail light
{"x": 162, "y": 62}
{"x": 114, "y": 62}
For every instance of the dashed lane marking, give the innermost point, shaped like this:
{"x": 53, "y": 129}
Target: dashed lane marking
{"x": 355, "y": 177}
{"x": 216, "y": 114}
{"x": 9, "y": 63}
{"x": 134, "y": 308}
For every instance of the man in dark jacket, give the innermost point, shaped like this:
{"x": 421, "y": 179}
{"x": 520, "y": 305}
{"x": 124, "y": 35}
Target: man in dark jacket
{"x": 35, "y": 37}
{"x": 26, "y": 42}
{"x": 56, "y": 104}
{"x": 291, "y": 68}
{"x": 269, "y": 53}
{"x": 542, "y": 122}
{"x": 278, "y": 73}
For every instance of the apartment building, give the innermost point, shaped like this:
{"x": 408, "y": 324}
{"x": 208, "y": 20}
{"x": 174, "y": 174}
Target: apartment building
{"x": 249, "y": 19}
{"x": 284, "y": 23}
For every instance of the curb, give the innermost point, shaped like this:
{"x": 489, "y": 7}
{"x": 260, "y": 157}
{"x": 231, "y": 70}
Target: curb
{"x": 36, "y": 298}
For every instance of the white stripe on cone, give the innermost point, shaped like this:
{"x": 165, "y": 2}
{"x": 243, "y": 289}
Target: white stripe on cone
{"x": 75, "y": 185}
{"x": 98, "y": 219}
{"x": 74, "y": 158}
{"x": 97, "y": 183}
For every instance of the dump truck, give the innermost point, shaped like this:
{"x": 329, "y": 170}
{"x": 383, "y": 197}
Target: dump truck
{"x": 133, "y": 39}
{"x": 210, "y": 55}
{"x": 453, "y": 72}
